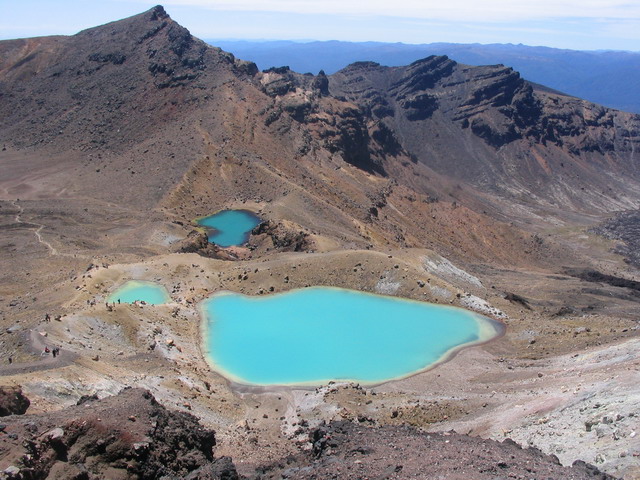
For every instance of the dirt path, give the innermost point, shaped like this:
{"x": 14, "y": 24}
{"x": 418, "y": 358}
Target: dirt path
{"x": 52, "y": 250}
{"x": 36, "y": 344}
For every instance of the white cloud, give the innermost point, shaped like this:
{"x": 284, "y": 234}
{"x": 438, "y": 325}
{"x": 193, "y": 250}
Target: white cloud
{"x": 451, "y": 10}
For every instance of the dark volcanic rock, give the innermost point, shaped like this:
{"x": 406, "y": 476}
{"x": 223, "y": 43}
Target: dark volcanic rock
{"x": 424, "y": 74}
{"x": 283, "y": 237}
{"x": 12, "y": 401}
{"x": 352, "y": 141}
{"x": 198, "y": 242}
{"x": 624, "y": 227}
{"x": 490, "y": 127}
{"x": 348, "y": 451}
{"x": 129, "y": 435}
{"x": 589, "y": 275}
{"x": 129, "y": 62}
{"x": 321, "y": 83}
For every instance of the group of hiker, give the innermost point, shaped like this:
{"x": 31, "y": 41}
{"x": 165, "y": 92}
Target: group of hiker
{"x": 55, "y": 351}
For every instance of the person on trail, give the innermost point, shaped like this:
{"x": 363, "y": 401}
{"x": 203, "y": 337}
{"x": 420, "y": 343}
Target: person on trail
{"x": 55, "y": 352}
{"x": 47, "y": 317}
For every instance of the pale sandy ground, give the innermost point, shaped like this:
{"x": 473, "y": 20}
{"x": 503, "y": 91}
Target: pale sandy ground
{"x": 583, "y": 405}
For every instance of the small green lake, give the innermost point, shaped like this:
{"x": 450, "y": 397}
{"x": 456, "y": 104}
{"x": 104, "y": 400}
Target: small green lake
{"x": 314, "y": 335}
{"x": 230, "y": 227}
{"x": 138, "y": 290}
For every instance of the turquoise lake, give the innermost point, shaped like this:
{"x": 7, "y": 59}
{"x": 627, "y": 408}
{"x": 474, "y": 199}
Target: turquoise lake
{"x": 230, "y": 227}
{"x": 314, "y": 335}
{"x": 137, "y": 290}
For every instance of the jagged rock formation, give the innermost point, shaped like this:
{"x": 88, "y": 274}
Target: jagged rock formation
{"x": 129, "y": 435}
{"x": 281, "y": 236}
{"x": 490, "y": 127}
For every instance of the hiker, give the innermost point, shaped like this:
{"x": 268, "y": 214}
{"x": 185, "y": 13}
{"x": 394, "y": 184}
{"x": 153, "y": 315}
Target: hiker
{"x": 55, "y": 352}
{"x": 47, "y": 317}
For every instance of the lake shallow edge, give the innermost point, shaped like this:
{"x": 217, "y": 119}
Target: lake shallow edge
{"x": 212, "y": 231}
{"x": 137, "y": 284}
{"x": 488, "y": 329}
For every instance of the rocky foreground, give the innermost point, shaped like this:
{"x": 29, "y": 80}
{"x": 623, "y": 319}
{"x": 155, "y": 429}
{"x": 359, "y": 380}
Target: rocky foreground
{"x": 129, "y": 435}
{"x": 132, "y": 436}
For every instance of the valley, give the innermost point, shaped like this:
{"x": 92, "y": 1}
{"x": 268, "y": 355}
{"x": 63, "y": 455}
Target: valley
{"x": 458, "y": 185}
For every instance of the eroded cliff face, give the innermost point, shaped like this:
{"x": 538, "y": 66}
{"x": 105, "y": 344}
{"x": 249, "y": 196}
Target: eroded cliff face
{"x": 488, "y": 126}
{"x": 341, "y": 127}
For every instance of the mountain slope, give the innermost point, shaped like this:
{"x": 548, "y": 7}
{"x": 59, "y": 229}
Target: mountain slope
{"x": 186, "y": 128}
{"x": 481, "y": 125}
{"x": 556, "y": 149}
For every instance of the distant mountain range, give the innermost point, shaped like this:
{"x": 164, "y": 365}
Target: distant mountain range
{"x": 610, "y": 78}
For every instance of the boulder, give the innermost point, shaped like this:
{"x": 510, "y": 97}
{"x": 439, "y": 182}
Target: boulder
{"x": 12, "y": 401}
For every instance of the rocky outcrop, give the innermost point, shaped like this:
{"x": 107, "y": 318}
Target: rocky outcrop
{"x": 198, "y": 242}
{"x": 13, "y": 401}
{"x": 321, "y": 83}
{"x": 423, "y": 75}
{"x": 129, "y": 435}
{"x": 350, "y": 137}
{"x": 278, "y": 81}
{"x": 336, "y": 125}
{"x": 284, "y": 236}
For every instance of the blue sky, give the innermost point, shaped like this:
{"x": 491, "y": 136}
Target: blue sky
{"x": 575, "y": 24}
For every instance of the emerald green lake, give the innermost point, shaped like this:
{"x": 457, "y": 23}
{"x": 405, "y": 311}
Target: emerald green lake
{"x": 314, "y": 335}
{"x": 137, "y": 290}
{"x": 230, "y": 227}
